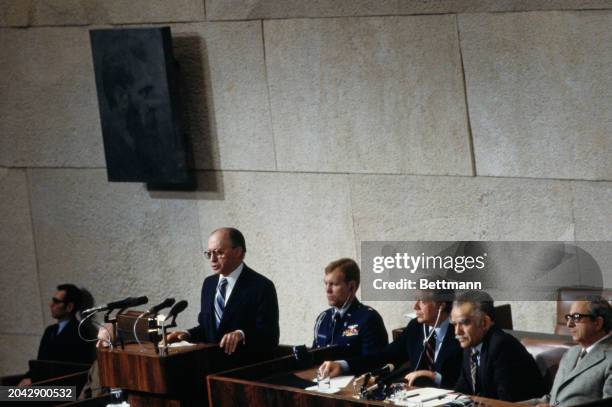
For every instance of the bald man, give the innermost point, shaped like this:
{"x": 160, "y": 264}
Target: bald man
{"x": 239, "y": 307}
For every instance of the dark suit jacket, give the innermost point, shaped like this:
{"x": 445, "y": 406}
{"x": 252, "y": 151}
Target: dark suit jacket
{"x": 408, "y": 348}
{"x": 506, "y": 371}
{"x": 252, "y": 307}
{"x": 67, "y": 346}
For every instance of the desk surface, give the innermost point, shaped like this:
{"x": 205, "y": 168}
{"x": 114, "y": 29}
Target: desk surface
{"x": 261, "y": 391}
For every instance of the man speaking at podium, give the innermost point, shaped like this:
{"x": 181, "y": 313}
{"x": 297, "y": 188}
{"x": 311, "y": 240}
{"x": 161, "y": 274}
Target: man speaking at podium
{"x": 239, "y": 307}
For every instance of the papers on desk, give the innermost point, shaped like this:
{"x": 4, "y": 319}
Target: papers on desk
{"x": 425, "y": 397}
{"x": 180, "y": 344}
{"x": 335, "y": 385}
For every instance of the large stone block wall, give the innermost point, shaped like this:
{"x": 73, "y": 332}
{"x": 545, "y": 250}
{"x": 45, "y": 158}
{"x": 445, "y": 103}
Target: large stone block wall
{"x": 315, "y": 126}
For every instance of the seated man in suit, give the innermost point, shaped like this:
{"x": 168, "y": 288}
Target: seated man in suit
{"x": 427, "y": 343}
{"x": 61, "y": 341}
{"x": 348, "y": 322}
{"x": 495, "y": 364}
{"x": 585, "y": 371}
{"x": 239, "y": 307}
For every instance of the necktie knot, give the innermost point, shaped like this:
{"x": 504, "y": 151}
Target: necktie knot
{"x": 475, "y": 355}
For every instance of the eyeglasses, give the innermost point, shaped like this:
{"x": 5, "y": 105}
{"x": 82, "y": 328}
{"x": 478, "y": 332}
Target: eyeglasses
{"x": 217, "y": 253}
{"x": 576, "y": 317}
{"x": 57, "y": 300}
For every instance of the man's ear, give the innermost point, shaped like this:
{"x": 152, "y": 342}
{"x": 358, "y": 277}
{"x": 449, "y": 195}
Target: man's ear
{"x": 70, "y": 307}
{"x": 487, "y": 322}
{"x": 599, "y": 321}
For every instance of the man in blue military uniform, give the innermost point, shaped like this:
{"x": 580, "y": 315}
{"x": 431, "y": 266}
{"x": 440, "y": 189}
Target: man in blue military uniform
{"x": 348, "y": 322}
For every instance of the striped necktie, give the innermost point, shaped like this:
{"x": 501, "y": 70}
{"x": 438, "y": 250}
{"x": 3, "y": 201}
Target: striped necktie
{"x": 474, "y": 368}
{"x": 220, "y": 301}
{"x": 430, "y": 351}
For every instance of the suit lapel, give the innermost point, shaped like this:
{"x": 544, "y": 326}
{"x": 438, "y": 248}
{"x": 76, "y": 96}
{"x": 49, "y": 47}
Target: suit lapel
{"x": 446, "y": 346}
{"x": 593, "y": 358}
{"x": 210, "y": 303}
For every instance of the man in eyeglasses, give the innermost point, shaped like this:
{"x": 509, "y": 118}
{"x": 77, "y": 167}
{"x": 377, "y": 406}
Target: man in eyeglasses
{"x": 61, "y": 341}
{"x": 495, "y": 364}
{"x": 239, "y": 307}
{"x": 585, "y": 371}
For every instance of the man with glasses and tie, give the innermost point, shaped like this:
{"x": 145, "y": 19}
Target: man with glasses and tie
{"x": 427, "y": 344}
{"x": 61, "y": 341}
{"x": 495, "y": 364}
{"x": 585, "y": 371}
{"x": 239, "y": 307}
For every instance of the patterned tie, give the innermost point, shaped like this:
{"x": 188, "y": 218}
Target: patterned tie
{"x": 220, "y": 301}
{"x": 474, "y": 368}
{"x": 430, "y": 351}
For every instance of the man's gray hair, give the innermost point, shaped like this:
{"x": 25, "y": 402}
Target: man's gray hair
{"x": 481, "y": 301}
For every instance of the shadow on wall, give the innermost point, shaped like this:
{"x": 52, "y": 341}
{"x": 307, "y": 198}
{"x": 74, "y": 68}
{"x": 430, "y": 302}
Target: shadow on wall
{"x": 198, "y": 121}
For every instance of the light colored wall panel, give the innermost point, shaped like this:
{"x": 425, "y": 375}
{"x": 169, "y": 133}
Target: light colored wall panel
{"x": 533, "y": 316}
{"x": 114, "y": 239}
{"x": 367, "y": 95}
{"x": 460, "y": 208}
{"x": 19, "y": 294}
{"x": 294, "y": 225}
{"x": 83, "y": 12}
{"x": 224, "y": 77}
{"x": 593, "y": 211}
{"x": 593, "y": 214}
{"x": 455, "y": 208}
{"x": 50, "y": 77}
{"x": 261, "y": 9}
{"x": 48, "y": 107}
{"x": 14, "y": 13}
{"x": 15, "y": 351}
{"x": 539, "y": 93}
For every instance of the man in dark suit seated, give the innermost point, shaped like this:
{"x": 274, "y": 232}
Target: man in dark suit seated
{"x": 427, "y": 343}
{"x": 61, "y": 341}
{"x": 495, "y": 364}
{"x": 585, "y": 371}
{"x": 348, "y": 323}
{"x": 239, "y": 307}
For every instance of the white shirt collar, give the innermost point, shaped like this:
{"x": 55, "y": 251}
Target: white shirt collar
{"x": 441, "y": 330}
{"x": 231, "y": 280}
{"x": 590, "y": 348}
{"x": 344, "y": 308}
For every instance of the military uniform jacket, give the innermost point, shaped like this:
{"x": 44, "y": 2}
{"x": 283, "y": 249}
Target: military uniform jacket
{"x": 361, "y": 329}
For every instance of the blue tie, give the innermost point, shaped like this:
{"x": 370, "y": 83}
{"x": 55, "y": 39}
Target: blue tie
{"x": 220, "y": 301}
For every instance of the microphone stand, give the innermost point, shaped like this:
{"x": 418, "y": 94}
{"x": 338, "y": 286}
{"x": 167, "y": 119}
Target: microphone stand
{"x": 164, "y": 350}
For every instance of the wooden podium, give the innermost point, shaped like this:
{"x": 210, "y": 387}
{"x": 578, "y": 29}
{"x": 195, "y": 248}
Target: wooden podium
{"x": 177, "y": 379}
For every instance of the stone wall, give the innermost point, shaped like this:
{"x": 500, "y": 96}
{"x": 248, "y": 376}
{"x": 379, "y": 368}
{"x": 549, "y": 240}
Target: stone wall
{"x": 316, "y": 125}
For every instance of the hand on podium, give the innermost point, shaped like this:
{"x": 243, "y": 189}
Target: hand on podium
{"x": 231, "y": 340}
{"x": 177, "y": 336}
{"x": 331, "y": 369}
{"x": 26, "y": 381}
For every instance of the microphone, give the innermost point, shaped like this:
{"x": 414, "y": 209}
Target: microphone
{"x": 385, "y": 370}
{"x": 168, "y": 302}
{"x": 177, "y": 309}
{"x": 125, "y": 303}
